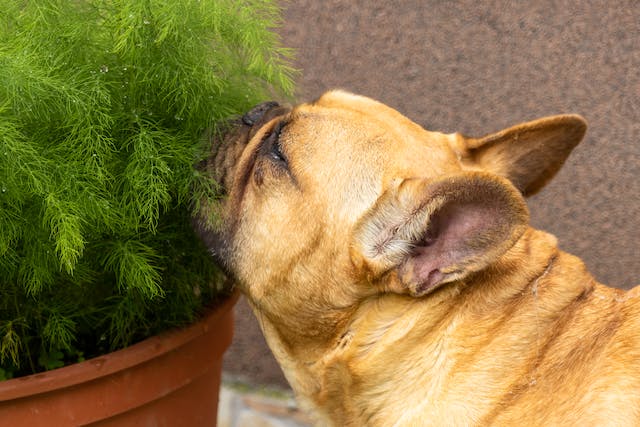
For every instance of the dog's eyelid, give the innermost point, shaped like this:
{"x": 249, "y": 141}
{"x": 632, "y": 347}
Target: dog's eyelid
{"x": 276, "y": 148}
{"x": 271, "y": 145}
{"x": 276, "y": 152}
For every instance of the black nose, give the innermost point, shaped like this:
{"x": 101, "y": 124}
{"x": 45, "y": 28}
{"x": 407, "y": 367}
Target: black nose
{"x": 256, "y": 113}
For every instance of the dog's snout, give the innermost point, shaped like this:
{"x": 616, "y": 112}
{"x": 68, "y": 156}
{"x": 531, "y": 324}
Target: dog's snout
{"x": 257, "y": 112}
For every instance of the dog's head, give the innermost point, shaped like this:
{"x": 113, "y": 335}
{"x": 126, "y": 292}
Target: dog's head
{"x": 335, "y": 200}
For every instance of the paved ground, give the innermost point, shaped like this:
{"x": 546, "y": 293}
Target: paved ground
{"x": 478, "y": 66}
{"x": 240, "y": 406}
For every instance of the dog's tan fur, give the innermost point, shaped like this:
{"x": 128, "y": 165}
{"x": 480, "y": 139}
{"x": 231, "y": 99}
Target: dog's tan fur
{"x": 398, "y": 282}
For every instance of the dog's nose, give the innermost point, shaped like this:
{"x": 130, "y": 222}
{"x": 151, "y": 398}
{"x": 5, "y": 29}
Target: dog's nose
{"x": 257, "y": 112}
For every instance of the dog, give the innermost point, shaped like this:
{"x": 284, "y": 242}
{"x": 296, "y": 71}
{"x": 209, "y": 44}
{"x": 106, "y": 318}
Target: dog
{"x": 397, "y": 279}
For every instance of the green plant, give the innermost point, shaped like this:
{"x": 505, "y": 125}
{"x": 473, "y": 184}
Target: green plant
{"x": 103, "y": 104}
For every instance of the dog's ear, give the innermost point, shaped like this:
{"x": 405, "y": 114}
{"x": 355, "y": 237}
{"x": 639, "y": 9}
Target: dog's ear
{"x": 432, "y": 232}
{"x": 528, "y": 154}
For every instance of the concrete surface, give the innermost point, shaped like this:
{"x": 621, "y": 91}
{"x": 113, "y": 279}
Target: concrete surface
{"x": 240, "y": 406}
{"x": 476, "y": 67}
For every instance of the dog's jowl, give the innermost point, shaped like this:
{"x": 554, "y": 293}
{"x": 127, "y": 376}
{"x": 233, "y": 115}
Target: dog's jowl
{"x": 398, "y": 280}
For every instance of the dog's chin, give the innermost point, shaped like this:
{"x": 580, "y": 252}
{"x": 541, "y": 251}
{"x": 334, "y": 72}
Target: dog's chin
{"x": 216, "y": 242}
{"x": 227, "y": 145}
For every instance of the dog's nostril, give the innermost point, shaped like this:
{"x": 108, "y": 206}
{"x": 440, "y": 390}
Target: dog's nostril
{"x": 256, "y": 113}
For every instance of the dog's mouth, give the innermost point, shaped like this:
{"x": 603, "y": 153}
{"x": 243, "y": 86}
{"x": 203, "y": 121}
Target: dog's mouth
{"x": 227, "y": 146}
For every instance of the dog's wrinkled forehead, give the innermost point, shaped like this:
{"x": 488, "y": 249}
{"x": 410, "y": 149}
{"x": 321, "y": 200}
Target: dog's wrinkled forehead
{"x": 352, "y": 130}
{"x": 344, "y": 100}
{"x": 354, "y": 148}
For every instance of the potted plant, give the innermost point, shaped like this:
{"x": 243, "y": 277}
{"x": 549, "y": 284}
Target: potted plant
{"x": 103, "y": 104}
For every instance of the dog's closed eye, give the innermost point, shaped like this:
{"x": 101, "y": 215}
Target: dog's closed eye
{"x": 271, "y": 145}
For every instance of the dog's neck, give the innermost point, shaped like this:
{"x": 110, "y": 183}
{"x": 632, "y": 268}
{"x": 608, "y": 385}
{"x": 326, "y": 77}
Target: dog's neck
{"x": 317, "y": 371}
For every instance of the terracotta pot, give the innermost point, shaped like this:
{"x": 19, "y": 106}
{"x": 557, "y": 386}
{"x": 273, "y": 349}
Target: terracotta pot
{"x": 168, "y": 380}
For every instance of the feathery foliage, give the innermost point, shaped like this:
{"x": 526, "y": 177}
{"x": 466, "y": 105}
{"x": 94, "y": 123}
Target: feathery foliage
{"x": 103, "y": 104}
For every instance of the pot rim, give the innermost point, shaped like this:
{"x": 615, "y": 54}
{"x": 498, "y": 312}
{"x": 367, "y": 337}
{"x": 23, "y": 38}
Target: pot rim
{"x": 118, "y": 360}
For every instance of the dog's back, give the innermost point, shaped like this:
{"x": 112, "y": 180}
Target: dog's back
{"x": 530, "y": 342}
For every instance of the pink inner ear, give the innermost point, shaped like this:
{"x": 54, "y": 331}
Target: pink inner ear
{"x": 457, "y": 234}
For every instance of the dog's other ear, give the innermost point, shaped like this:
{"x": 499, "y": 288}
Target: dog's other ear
{"x": 431, "y": 232}
{"x": 528, "y": 154}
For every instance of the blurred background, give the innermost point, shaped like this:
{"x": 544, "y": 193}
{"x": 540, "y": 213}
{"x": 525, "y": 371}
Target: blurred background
{"x": 477, "y": 67}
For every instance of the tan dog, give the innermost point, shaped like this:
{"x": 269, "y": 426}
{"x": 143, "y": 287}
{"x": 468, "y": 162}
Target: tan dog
{"x": 398, "y": 282}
